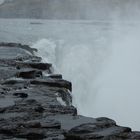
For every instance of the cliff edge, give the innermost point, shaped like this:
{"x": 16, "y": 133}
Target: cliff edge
{"x": 36, "y": 104}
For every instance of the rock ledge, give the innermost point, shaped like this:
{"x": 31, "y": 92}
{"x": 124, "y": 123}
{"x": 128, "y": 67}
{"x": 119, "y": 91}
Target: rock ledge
{"x": 38, "y": 107}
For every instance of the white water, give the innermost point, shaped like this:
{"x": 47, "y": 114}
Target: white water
{"x": 105, "y": 80}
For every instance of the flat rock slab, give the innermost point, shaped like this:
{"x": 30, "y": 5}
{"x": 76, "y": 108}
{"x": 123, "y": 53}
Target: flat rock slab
{"x": 12, "y": 53}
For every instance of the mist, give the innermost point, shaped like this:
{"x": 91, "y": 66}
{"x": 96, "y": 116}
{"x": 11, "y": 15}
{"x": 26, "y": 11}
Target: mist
{"x": 118, "y": 94}
{"x": 93, "y": 43}
{"x": 69, "y": 9}
{"x": 104, "y": 72}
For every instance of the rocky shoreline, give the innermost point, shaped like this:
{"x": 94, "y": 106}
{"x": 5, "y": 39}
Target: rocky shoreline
{"x": 36, "y": 104}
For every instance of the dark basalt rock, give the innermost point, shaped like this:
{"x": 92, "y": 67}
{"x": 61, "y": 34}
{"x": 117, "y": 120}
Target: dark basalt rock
{"x": 59, "y": 109}
{"x": 13, "y": 81}
{"x": 18, "y": 45}
{"x": 34, "y": 65}
{"x": 53, "y": 83}
{"x": 38, "y": 107}
{"x": 95, "y": 131}
{"x": 55, "y": 76}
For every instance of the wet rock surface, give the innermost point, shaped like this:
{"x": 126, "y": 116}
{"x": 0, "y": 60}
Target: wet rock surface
{"x": 34, "y": 106}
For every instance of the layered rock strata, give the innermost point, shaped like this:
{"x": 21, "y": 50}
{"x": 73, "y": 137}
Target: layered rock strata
{"x": 38, "y": 106}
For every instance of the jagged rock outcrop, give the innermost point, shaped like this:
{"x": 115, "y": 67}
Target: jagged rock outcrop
{"x": 38, "y": 107}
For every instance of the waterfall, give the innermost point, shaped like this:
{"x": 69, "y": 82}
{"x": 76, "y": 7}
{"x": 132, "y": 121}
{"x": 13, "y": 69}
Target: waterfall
{"x": 99, "y": 55}
{"x": 105, "y": 78}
